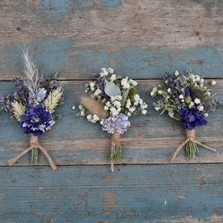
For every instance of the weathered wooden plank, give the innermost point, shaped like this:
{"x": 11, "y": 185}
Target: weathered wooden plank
{"x": 138, "y": 38}
{"x": 74, "y": 141}
{"x": 133, "y": 194}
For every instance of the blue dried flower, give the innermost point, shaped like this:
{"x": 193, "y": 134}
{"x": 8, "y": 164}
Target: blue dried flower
{"x": 36, "y": 120}
{"x": 116, "y": 124}
{"x": 190, "y": 118}
{"x": 36, "y": 96}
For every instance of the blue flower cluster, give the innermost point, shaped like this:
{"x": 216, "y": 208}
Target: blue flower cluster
{"x": 190, "y": 118}
{"x": 36, "y": 120}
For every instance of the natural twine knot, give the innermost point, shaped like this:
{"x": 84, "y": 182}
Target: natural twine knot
{"x": 34, "y": 141}
{"x": 115, "y": 138}
{"x": 190, "y": 134}
{"x": 190, "y": 137}
{"x": 34, "y": 144}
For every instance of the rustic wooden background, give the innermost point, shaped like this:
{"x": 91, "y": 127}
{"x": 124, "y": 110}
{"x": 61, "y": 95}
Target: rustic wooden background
{"x": 141, "y": 39}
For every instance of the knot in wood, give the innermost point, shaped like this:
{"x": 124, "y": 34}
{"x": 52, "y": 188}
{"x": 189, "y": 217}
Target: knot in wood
{"x": 190, "y": 134}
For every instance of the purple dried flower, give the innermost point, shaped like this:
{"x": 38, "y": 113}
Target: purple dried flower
{"x": 36, "y": 96}
{"x": 190, "y": 118}
{"x": 115, "y": 124}
{"x": 36, "y": 120}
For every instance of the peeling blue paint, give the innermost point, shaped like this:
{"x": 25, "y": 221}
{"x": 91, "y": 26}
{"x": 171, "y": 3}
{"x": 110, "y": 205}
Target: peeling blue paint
{"x": 55, "y": 7}
{"x": 73, "y": 61}
{"x": 110, "y": 3}
{"x": 49, "y": 56}
{"x": 151, "y": 63}
{"x": 81, "y": 5}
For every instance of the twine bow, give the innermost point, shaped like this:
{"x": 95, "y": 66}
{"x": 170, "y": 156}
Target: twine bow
{"x": 190, "y": 137}
{"x": 115, "y": 140}
{"x": 34, "y": 144}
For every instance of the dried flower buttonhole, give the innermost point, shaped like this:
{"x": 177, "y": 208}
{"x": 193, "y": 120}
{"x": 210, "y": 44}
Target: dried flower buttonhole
{"x": 111, "y": 101}
{"x": 186, "y": 99}
{"x": 33, "y": 105}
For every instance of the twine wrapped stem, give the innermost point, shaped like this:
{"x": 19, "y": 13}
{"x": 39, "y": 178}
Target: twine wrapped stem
{"x": 115, "y": 149}
{"x": 34, "y": 144}
{"x": 190, "y": 137}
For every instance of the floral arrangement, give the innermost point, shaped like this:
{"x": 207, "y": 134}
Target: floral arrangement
{"x": 33, "y": 105}
{"x": 186, "y": 99}
{"x": 111, "y": 101}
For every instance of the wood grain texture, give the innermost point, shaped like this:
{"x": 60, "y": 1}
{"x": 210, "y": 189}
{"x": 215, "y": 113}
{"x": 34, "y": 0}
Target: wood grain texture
{"x": 139, "y": 38}
{"x": 133, "y": 194}
{"x": 74, "y": 141}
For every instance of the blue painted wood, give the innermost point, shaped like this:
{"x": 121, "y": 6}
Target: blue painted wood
{"x": 141, "y": 39}
{"x": 55, "y": 56}
{"x": 133, "y": 194}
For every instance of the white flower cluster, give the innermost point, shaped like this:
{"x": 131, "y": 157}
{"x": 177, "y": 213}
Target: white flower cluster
{"x": 116, "y": 93}
{"x": 189, "y": 92}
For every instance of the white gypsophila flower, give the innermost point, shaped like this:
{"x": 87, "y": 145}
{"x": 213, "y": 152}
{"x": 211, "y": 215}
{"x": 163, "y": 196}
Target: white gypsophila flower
{"x": 157, "y": 108}
{"x": 160, "y": 92}
{"x": 105, "y": 108}
{"x": 124, "y": 83}
{"x": 154, "y": 90}
{"x": 171, "y": 114}
{"x": 197, "y": 77}
{"x": 117, "y": 104}
{"x": 202, "y": 81}
{"x": 97, "y": 92}
{"x": 89, "y": 117}
{"x": 110, "y": 70}
{"x": 213, "y": 82}
{"x": 197, "y": 101}
{"x": 144, "y": 112}
{"x": 113, "y": 77}
{"x": 192, "y": 76}
{"x": 132, "y": 109}
{"x": 181, "y": 97}
{"x": 73, "y": 107}
{"x": 205, "y": 115}
{"x": 208, "y": 93}
{"x": 92, "y": 86}
{"x": 80, "y": 107}
{"x": 128, "y": 103}
{"x": 82, "y": 113}
{"x": 133, "y": 83}
{"x": 86, "y": 91}
{"x": 95, "y": 118}
{"x": 169, "y": 90}
{"x": 114, "y": 111}
{"x": 200, "y": 108}
{"x": 140, "y": 101}
{"x": 177, "y": 73}
{"x": 136, "y": 97}
{"x": 118, "y": 97}
{"x": 108, "y": 104}
{"x": 191, "y": 105}
{"x": 128, "y": 114}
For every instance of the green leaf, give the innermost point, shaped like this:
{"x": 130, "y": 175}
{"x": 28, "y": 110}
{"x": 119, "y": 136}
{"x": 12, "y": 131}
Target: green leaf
{"x": 111, "y": 89}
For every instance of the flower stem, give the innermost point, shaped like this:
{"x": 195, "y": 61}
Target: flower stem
{"x": 34, "y": 156}
{"x": 116, "y": 152}
{"x": 191, "y": 149}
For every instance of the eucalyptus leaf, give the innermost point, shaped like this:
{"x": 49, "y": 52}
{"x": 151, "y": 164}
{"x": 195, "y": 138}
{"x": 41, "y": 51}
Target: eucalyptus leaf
{"x": 111, "y": 89}
{"x": 124, "y": 97}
